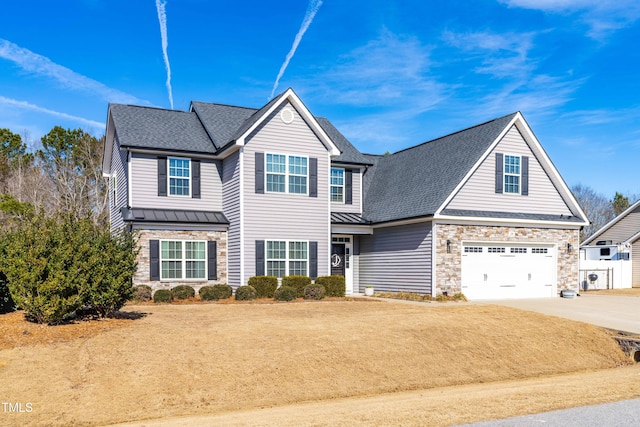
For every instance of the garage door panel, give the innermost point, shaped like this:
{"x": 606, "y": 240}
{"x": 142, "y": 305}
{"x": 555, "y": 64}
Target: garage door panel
{"x": 491, "y": 271}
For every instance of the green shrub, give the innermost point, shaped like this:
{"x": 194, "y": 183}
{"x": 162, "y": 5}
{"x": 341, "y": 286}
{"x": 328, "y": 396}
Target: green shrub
{"x": 285, "y": 293}
{"x": 265, "y": 286}
{"x": 162, "y": 295}
{"x": 215, "y": 292}
{"x": 142, "y": 293}
{"x": 316, "y": 292}
{"x": 6, "y": 302}
{"x": 246, "y": 293}
{"x": 56, "y": 265}
{"x": 183, "y": 292}
{"x": 335, "y": 286}
{"x": 297, "y": 282}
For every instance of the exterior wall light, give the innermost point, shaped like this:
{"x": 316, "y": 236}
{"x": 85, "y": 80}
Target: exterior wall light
{"x": 448, "y": 246}
{"x": 569, "y": 248}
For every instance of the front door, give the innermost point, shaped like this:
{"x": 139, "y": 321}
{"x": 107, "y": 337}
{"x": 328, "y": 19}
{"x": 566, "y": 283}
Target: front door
{"x": 338, "y": 259}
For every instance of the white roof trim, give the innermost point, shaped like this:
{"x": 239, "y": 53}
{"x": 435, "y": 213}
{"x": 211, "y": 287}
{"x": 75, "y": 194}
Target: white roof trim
{"x": 109, "y": 140}
{"x": 535, "y": 146}
{"x": 290, "y": 95}
{"x": 611, "y": 223}
{"x": 507, "y": 221}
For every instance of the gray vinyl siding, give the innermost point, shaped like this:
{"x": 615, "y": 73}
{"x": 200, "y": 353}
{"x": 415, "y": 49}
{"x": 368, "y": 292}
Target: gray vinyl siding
{"x": 145, "y": 186}
{"x": 231, "y": 209}
{"x": 623, "y": 229}
{"x": 397, "y": 259}
{"x": 119, "y": 167}
{"x": 356, "y": 194}
{"x": 282, "y": 216}
{"x": 635, "y": 264}
{"x": 478, "y": 194}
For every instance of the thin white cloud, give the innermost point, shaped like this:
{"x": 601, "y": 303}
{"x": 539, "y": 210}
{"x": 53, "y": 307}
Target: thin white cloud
{"x": 601, "y": 16}
{"x": 31, "y": 107}
{"x": 389, "y": 72}
{"x": 502, "y": 55}
{"x": 162, "y": 18}
{"x": 312, "y": 9}
{"x": 39, "y": 65}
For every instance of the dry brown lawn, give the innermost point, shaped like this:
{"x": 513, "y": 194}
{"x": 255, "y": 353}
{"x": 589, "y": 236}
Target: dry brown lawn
{"x": 227, "y": 360}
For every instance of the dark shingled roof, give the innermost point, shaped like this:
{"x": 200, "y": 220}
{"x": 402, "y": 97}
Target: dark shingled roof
{"x": 221, "y": 121}
{"x": 155, "y": 128}
{"x": 173, "y": 215}
{"x": 415, "y": 182}
{"x": 512, "y": 215}
{"x": 347, "y": 218}
{"x": 348, "y": 153}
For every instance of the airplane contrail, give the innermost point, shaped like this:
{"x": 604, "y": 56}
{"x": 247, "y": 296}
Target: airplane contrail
{"x": 162, "y": 18}
{"x": 312, "y": 9}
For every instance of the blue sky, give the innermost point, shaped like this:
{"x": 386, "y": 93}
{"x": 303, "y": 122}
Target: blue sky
{"x": 388, "y": 73}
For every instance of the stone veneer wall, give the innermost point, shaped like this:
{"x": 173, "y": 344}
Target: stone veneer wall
{"x": 448, "y": 265}
{"x": 142, "y": 275}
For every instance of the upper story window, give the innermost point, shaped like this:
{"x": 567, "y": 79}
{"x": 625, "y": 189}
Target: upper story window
{"x": 511, "y": 174}
{"x": 337, "y": 185}
{"x": 179, "y": 177}
{"x": 286, "y": 174}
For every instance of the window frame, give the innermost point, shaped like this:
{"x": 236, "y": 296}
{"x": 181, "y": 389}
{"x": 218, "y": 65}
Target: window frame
{"x": 288, "y": 259}
{"x": 506, "y": 174}
{"x": 332, "y": 185}
{"x": 183, "y": 260}
{"x": 188, "y": 178}
{"x": 287, "y": 173}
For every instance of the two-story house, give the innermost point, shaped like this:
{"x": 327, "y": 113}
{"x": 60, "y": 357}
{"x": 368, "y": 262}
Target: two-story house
{"x": 222, "y": 193}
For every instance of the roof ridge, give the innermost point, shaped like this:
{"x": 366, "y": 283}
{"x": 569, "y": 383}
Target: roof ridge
{"x": 454, "y": 133}
{"x": 225, "y": 105}
{"x": 149, "y": 107}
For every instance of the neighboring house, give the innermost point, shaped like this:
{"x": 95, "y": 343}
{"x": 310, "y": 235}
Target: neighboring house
{"x": 609, "y": 253}
{"x": 222, "y": 193}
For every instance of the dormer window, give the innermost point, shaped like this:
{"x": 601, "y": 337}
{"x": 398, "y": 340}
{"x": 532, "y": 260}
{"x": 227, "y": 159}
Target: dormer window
{"x": 511, "y": 174}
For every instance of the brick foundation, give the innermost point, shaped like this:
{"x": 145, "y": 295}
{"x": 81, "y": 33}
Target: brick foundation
{"x": 448, "y": 265}
{"x": 143, "y": 273}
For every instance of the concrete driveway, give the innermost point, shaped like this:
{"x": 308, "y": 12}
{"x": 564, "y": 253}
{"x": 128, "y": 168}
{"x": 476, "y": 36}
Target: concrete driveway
{"x": 621, "y": 313}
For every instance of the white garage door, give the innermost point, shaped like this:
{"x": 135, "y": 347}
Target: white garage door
{"x": 500, "y": 271}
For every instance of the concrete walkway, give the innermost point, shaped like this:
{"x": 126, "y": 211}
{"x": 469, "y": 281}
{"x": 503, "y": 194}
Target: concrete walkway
{"x": 614, "y": 312}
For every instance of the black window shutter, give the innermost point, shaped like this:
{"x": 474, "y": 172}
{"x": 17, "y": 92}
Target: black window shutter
{"x": 212, "y": 260}
{"x": 162, "y": 176}
{"x": 195, "y": 179}
{"x": 499, "y": 172}
{"x": 154, "y": 259}
{"x": 525, "y": 176}
{"x": 260, "y": 173}
{"x": 313, "y": 259}
{"x": 260, "y": 258}
{"x": 348, "y": 187}
{"x": 313, "y": 177}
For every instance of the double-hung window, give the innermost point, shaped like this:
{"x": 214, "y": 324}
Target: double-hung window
{"x": 179, "y": 177}
{"x": 287, "y": 258}
{"x": 183, "y": 259}
{"x": 512, "y": 174}
{"x": 286, "y": 174}
{"x": 337, "y": 185}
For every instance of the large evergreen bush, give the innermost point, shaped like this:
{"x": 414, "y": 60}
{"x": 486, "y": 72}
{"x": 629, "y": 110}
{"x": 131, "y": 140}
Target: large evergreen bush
{"x": 334, "y": 285}
{"x": 54, "y": 266}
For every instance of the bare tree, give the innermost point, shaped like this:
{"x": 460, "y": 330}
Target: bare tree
{"x": 598, "y": 208}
